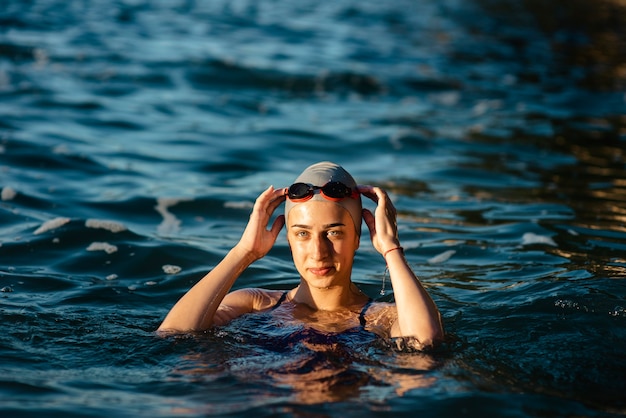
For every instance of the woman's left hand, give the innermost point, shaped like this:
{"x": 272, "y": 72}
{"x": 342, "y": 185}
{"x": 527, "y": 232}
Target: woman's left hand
{"x": 382, "y": 224}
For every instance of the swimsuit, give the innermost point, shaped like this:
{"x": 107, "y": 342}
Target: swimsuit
{"x": 361, "y": 314}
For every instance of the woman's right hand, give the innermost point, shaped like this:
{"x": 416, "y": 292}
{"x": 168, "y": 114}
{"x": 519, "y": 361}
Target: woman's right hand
{"x": 256, "y": 240}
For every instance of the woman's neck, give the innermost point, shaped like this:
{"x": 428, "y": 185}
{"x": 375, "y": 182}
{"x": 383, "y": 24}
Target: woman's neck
{"x": 330, "y": 298}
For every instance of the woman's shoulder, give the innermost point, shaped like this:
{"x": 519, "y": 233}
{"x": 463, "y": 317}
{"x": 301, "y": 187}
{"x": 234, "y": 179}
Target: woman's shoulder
{"x": 380, "y": 316}
{"x": 262, "y": 299}
{"x": 377, "y": 306}
{"x": 243, "y": 301}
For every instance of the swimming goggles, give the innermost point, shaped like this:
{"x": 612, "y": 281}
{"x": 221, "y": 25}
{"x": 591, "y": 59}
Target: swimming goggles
{"x": 334, "y": 191}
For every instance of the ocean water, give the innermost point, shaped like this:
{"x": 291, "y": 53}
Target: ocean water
{"x": 135, "y": 135}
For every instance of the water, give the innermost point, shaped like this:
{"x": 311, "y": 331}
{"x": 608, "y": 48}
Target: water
{"x": 134, "y": 137}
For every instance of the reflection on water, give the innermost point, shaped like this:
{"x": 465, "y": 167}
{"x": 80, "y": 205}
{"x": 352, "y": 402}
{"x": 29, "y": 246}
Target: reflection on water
{"x": 302, "y": 365}
{"x": 587, "y": 39}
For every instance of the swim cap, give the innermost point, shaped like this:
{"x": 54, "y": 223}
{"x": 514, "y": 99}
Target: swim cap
{"x": 321, "y": 173}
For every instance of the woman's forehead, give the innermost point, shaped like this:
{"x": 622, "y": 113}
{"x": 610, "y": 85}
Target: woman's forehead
{"x": 315, "y": 213}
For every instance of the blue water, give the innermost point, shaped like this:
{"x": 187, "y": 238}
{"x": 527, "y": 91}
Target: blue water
{"x": 134, "y": 137}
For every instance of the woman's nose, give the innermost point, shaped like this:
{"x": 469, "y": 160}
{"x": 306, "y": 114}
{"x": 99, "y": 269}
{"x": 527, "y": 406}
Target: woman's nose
{"x": 320, "y": 247}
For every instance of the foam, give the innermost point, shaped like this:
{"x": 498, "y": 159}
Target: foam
{"x": 170, "y": 223}
{"x": 530, "y": 238}
{"x": 104, "y": 224}
{"x": 51, "y": 224}
{"x": 171, "y": 269}
{"x": 102, "y": 246}
{"x": 8, "y": 193}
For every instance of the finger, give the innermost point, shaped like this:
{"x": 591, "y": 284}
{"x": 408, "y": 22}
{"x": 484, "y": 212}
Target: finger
{"x": 280, "y": 192}
{"x": 277, "y": 198}
{"x": 269, "y": 200}
{"x": 370, "y": 221}
{"x": 367, "y": 191}
{"x": 382, "y": 203}
{"x": 264, "y": 197}
{"x": 385, "y": 201}
{"x": 380, "y": 193}
{"x": 278, "y": 224}
{"x": 368, "y": 217}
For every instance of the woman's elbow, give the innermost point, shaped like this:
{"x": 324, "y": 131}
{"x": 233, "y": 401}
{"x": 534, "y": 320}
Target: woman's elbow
{"x": 432, "y": 338}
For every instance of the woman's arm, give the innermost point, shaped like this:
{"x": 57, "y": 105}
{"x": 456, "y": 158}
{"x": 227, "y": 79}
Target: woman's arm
{"x": 418, "y": 315}
{"x": 195, "y": 311}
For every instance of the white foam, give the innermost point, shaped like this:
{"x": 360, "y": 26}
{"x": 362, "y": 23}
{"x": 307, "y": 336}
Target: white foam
{"x": 170, "y": 223}
{"x": 441, "y": 258}
{"x": 171, "y": 269}
{"x": 530, "y": 238}
{"x": 102, "y": 246}
{"x": 104, "y": 224}
{"x": 8, "y": 193}
{"x": 51, "y": 224}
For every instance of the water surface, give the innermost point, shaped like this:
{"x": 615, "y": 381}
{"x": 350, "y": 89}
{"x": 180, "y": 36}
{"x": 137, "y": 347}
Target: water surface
{"x": 135, "y": 136}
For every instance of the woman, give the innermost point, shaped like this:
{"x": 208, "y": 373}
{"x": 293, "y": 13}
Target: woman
{"x": 323, "y": 216}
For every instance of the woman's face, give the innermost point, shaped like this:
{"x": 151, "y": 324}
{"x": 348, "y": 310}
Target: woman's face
{"x": 323, "y": 240}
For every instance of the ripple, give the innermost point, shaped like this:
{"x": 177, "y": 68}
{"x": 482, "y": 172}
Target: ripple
{"x": 135, "y": 137}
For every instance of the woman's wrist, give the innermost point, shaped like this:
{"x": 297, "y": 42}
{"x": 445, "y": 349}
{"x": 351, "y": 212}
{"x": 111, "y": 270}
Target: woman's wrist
{"x": 392, "y": 249}
{"x": 245, "y": 255}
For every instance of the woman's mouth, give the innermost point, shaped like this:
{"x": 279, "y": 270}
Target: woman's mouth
{"x": 321, "y": 271}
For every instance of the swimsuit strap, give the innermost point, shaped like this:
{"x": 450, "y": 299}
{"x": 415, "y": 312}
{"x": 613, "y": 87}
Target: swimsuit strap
{"x": 362, "y": 314}
{"x": 281, "y": 300}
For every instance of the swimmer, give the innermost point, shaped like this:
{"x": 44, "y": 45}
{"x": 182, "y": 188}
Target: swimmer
{"x": 323, "y": 215}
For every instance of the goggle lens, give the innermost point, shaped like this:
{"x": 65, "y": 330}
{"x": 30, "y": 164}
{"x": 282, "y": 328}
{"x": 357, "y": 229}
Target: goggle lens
{"x": 333, "y": 190}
